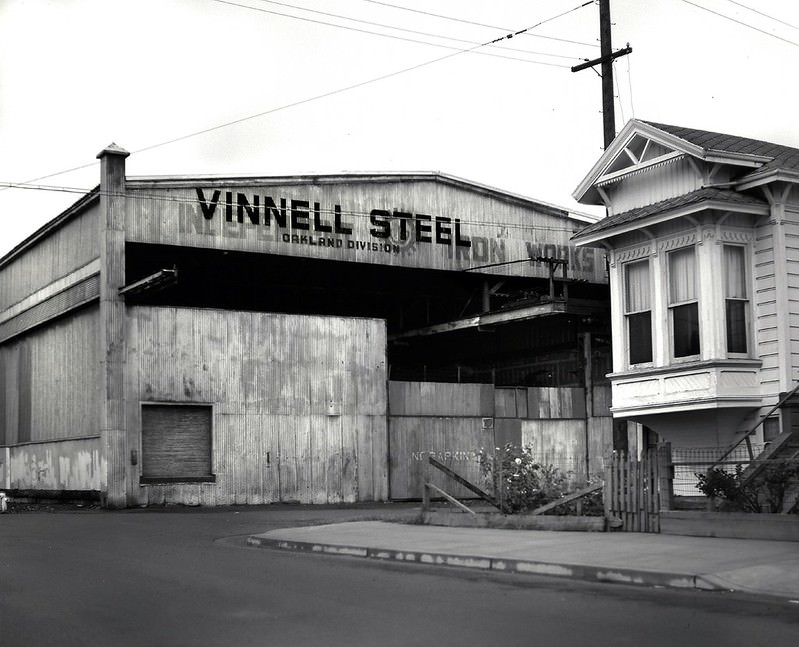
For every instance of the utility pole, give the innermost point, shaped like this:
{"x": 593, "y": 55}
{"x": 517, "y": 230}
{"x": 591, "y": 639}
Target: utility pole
{"x": 607, "y": 55}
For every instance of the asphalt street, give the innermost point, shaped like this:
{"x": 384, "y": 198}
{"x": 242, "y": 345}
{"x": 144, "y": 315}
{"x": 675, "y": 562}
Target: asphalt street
{"x": 187, "y": 577}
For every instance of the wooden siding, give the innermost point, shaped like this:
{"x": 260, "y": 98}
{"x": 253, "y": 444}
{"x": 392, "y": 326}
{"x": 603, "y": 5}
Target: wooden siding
{"x": 657, "y": 184}
{"x": 497, "y": 230}
{"x": 440, "y": 399}
{"x": 50, "y": 381}
{"x": 453, "y": 422}
{"x": 455, "y": 442}
{"x": 76, "y": 464}
{"x": 299, "y": 402}
{"x": 791, "y": 309}
{"x": 64, "y": 250}
{"x": 562, "y": 443}
{"x": 767, "y": 313}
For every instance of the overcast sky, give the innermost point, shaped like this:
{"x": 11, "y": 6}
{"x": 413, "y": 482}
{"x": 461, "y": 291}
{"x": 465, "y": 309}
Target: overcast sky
{"x": 76, "y": 75}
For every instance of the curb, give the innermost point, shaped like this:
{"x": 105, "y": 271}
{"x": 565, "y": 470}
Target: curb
{"x": 527, "y": 567}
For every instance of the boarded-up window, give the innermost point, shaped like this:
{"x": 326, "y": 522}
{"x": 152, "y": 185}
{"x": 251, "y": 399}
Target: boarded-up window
{"x": 176, "y": 443}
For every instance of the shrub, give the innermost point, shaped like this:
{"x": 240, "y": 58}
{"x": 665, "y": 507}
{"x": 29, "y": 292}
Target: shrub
{"x": 764, "y": 493}
{"x": 519, "y": 483}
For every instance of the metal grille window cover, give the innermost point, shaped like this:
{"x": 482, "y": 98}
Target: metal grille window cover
{"x": 176, "y": 443}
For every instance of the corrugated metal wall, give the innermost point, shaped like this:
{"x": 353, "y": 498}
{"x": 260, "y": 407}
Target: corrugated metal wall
{"x": 299, "y": 402}
{"x": 49, "y": 381}
{"x": 64, "y": 250}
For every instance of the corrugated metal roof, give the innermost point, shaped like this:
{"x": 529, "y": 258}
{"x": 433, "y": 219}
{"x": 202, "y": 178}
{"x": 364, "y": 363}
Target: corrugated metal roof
{"x": 695, "y": 197}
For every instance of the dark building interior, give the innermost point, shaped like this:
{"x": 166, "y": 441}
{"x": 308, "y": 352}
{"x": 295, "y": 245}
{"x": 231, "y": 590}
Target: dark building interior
{"x": 528, "y": 347}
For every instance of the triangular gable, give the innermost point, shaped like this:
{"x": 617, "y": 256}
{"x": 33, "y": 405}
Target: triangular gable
{"x": 641, "y": 145}
{"x": 638, "y": 152}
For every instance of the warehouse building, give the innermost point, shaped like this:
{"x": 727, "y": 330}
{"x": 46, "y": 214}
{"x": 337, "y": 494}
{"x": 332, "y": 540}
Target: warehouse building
{"x": 210, "y": 341}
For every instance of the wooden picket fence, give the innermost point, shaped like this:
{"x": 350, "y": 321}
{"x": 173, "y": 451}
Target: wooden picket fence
{"x": 636, "y": 489}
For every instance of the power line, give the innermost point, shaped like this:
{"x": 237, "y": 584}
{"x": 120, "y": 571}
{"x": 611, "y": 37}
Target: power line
{"x": 385, "y": 26}
{"x": 478, "y": 24}
{"x": 392, "y": 36}
{"x": 315, "y": 97}
{"x": 618, "y": 95}
{"x": 630, "y": 84}
{"x": 740, "y": 22}
{"x": 765, "y": 15}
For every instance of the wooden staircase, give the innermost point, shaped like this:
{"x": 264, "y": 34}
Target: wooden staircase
{"x": 783, "y": 450}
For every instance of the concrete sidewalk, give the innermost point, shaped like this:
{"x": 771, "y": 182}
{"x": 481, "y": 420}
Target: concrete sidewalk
{"x": 744, "y": 565}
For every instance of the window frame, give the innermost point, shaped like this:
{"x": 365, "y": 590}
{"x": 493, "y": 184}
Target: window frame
{"x": 746, "y": 301}
{"x": 630, "y": 314}
{"x": 673, "y": 305}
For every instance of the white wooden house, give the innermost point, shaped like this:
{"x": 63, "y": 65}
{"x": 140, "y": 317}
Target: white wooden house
{"x": 702, "y": 238}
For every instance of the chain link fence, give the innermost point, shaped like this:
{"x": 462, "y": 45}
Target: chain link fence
{"x": 690, "y": 461}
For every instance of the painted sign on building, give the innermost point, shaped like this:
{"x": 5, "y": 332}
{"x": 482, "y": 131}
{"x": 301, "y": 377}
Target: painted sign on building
{"x": 422, "y": 224}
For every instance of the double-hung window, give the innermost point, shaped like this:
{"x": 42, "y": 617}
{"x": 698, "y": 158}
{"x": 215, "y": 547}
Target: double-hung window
{"x": 638, "y": 311}
{"x": 736, "y": 302}
{"x": 683, "y": 304}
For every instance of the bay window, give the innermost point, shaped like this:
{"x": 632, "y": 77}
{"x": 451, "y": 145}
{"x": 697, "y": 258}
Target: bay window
{"x": 638, "y": 311}
{"x": 683, "y": 304}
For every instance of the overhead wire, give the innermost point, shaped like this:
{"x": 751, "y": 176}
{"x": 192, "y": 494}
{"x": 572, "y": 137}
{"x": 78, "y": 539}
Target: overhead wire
{"x": 394, "y": 27}
{"x": 618, "y": 94}
{"x": 392, "y": 36}
{"x": 740, "y": 22}
{"x": 477, "y": 24}
{"x": 765, "y": 15}
{"x": 630, "y": 84}
{"x": 317, "y": 97}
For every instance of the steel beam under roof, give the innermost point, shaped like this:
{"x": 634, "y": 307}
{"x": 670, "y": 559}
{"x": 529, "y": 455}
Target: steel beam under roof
{"x": 497, "y": 318}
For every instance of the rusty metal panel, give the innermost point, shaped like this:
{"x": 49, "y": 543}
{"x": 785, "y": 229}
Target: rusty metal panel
{"x": 59, "y": 465}
{"x": 421, "y": 222}
{"x": 293, "y": 398}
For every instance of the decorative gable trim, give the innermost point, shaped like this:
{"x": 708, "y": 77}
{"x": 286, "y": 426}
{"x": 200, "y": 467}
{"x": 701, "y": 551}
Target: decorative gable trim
{"x": 668, "y": 158}
{"x": 630, "y": 150}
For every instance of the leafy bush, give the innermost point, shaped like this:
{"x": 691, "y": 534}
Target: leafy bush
{"x": 764, "y": 493}
{"x": 520, "y": 484}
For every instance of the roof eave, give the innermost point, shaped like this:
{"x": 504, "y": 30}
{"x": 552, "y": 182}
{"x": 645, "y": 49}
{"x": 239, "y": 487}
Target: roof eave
{"x": 757, "y": 179}
{"x": 587, "y": 184}
{"x": 75, "y": 209}
{"x": 738, "y": 159}
{"x": 664, "y": 216}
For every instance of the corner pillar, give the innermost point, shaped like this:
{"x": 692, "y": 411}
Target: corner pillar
{"x": 112, "y": 322}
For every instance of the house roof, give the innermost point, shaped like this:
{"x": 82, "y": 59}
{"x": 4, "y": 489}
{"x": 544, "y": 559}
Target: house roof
{"x": 781, "y": 157}
{"x": 761, "y": 162}
{"x": 765, "y": 159}
{"x": 694, "y": 201}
